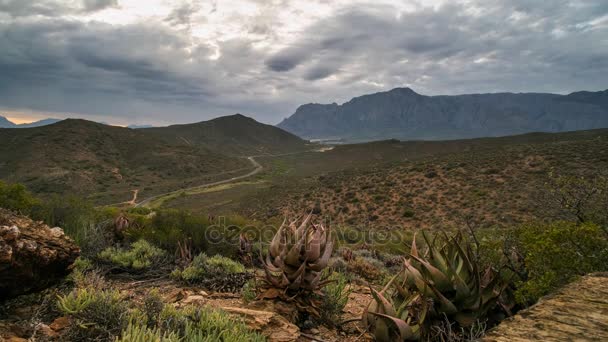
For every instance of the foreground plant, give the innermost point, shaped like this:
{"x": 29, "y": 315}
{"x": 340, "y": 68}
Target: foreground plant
{"x": 443, "y": 283}
{"x": 217, "y": 273}
{"x": 141, "y": 256}
{"x": 296, "y": 257}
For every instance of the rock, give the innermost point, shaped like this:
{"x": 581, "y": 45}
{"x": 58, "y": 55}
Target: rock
{"x": 9, "y": 233}
{"x": 272, "y": 325}
{"x": 33, "y": 256}
{"x": 60, "y": 323}
{"x": 194, "y": 299}
{"x": 45, "y": 330}
{"x": 577, "y": 312}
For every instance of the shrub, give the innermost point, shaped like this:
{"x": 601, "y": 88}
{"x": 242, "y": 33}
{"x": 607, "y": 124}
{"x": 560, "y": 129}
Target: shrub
{"x": 367, "y": 268}
{"x": 201, "y": 324}
{"x": 249, "y": 291}
{"x": 97, "y": 315}
{"x": 142, "y": 255}
{"x": 15, "y": 197}
{"x": 75, "y": 215}
{"x": 140, "y": 333}
{"x": 335, "y": 297}
{"x": 216, "y": 273}
{"x": 408, "y": 213}
{"x": 169, "y": 226}
{"x": 558, "y": 252}
{"x": 105, "y": 316}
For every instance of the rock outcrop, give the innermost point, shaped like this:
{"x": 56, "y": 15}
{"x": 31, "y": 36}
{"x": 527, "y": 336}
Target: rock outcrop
{"x": 578, "y": 312}
{"x": 32, "y": 254}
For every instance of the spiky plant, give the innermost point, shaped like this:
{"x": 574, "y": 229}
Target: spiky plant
{"x": 445, "y": 282}
{"x": 295, "y": 260}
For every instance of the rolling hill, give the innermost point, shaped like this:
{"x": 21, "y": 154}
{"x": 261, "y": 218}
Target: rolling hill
{"x": 86, "y": 158}
{"x": 233, "y": 135}
{"x": 404, "y": 114}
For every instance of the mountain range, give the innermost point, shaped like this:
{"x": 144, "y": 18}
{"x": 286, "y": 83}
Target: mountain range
{"x": 6, "y": 123}
{"x": 403, "y": 114}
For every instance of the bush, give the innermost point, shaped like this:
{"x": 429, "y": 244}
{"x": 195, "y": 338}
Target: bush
{"x": 557, "y": 253}
{"x": 335, "y": 297}
{"x": 106, "y": 316}
{"x": 367, "y": 268}
{"x": 249, "y": 291}
{"x": 203, "y": 267}
{"x": 169, "y": 226}
{"x": 73, "y": 214}
{"x": 193, "y": 324}
{"x": 97, "y": 315}
{"x": 216, "y": 273}
{"x": 15, "y": 197}
{"x": 142, "y": 255}
{"x": 140, "y": 333}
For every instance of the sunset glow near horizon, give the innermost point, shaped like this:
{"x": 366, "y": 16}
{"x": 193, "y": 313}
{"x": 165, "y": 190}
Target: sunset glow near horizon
{"x": 175, "y": 61}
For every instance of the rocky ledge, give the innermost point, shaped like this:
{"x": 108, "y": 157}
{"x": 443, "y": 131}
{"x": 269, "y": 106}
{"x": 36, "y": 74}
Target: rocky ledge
{"x": 33, "y": 255}
{"x": 578, "y": 312}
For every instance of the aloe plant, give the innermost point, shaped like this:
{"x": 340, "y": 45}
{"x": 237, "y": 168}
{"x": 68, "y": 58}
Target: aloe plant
{"x": 295, "y": 260}
{"x": 443, "y": 282}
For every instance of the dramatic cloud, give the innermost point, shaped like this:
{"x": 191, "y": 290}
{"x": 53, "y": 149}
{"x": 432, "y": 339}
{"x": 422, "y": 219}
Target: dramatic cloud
{"x": 153, "y": 61}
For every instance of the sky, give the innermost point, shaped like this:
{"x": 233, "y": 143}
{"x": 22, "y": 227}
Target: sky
{"x": 177, "y": 61}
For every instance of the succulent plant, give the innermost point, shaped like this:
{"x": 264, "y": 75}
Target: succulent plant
{"x": 295, "y": 260}
{"x": 444, "y": 282}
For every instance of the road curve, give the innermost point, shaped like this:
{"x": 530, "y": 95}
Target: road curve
{"x": 257, "y": 169}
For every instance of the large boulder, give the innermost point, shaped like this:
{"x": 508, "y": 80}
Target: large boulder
{"x": 33, "y": 256}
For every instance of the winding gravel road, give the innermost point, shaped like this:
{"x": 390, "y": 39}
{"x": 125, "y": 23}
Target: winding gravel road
{"x": 257, "y": 169}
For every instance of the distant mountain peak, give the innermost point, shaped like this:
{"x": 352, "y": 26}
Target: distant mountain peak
{"x": 403, "y": 90}
{"x": 6, "y": 123}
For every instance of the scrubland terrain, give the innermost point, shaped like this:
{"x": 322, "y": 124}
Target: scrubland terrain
{"x": 385, "y": 241}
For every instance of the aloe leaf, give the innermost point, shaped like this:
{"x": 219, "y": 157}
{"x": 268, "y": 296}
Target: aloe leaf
{"x": 384, "y": 303}
{"x": 404, "y": 330}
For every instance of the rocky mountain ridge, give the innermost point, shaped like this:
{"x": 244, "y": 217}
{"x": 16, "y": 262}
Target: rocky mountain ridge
{"x": 403, "y": 114}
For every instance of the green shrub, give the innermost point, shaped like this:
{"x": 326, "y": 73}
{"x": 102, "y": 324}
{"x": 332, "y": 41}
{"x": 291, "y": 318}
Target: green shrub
{"x": 140, "y": 333}
{"x": 367, "y": 268}
{"x": 215, "y": 273}
{"x": 335, "y": 297}
{"x": 15, "y": 197}
{"x": 206, "y": 324}
{"x": 204, "y": 267}
{"x": 142, "y": 255}
{"x": 75, "y": 215}
{"x": 169, "y": 226}
{"x": 249, "y": 291}
{"x": 558, "y": 252}
{"x": 106, "y": 316}
{"x": 97, "y": 315}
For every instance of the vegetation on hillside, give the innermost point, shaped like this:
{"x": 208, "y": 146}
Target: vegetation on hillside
{"x": 501, "y": 227}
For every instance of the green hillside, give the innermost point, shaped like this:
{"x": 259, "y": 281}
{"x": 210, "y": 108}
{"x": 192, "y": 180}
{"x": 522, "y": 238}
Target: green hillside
{"x": 234, "y": 135}
{"x": 101, "y": 161}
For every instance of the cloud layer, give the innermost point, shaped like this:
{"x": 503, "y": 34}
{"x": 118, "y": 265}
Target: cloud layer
{"x": 130, "y": 61}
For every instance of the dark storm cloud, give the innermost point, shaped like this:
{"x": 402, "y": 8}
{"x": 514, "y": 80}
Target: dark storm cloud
{"x": 156, "y": 70}
{"x": 484, "y": 46}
